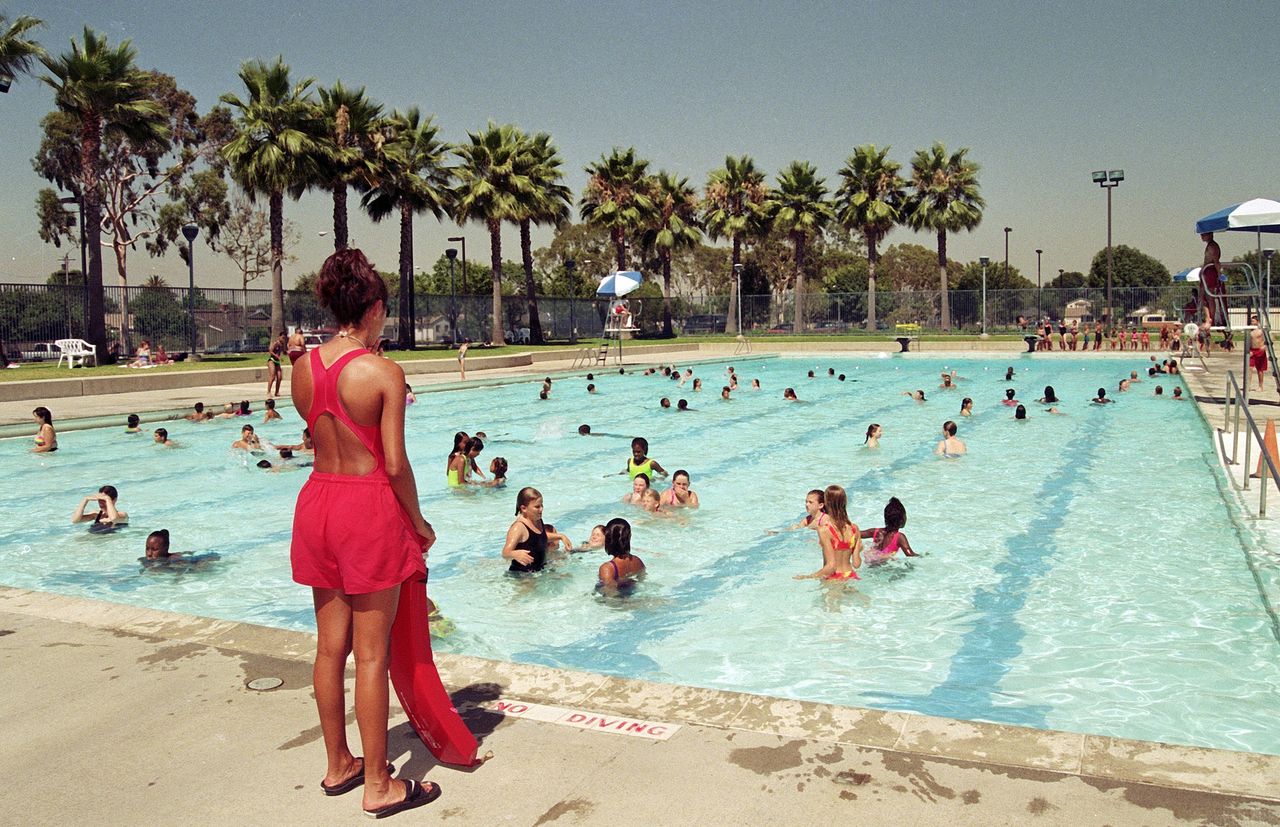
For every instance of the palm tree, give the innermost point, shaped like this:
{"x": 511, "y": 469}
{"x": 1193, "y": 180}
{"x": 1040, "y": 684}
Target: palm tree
{"x": 351, "y": 122}
{"x": 944, "y": 199}
{"x": 734, "y": 208}
{"x": 107, "y": 94}
{"x": 548, "y": 204}
{"x": 410, "y": 176}
{"x": 17, "y": 53}
{"x": 493, "y": 184}
{"x": 799, "y": 208}
{"x": 155, "y": 282}
{"x": 870, "y": 201}
{"x": 277, "y": 149}
{"x": 618, "y": 197}
{"x": 674, "y": 227}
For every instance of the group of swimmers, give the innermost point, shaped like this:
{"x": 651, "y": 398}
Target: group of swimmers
{"x": 841, "y": 539}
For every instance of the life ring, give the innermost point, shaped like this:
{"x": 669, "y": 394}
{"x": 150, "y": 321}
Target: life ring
{"x": 1190, "y": 330}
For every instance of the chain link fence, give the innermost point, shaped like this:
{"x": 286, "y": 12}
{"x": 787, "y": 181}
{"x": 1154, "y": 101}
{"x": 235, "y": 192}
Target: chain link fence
{"x": 231, "y": 321}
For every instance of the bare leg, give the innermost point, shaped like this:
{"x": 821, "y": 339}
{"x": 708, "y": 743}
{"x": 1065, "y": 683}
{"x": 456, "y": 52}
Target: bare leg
{"x": 373, "y": 615}
{"x": 333, "y": 626}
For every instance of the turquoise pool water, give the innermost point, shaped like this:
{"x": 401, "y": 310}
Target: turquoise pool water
{"x": 1079, "y": 572}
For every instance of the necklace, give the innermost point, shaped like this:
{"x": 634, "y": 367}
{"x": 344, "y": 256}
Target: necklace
{"x": 346, "y": 334}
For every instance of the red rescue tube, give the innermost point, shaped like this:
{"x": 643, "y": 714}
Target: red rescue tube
{"x": 417, "y": 683}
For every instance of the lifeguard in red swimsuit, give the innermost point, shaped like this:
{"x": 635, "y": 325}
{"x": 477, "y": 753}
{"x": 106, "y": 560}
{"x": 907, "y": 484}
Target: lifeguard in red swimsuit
{"x": 358, "y": 532}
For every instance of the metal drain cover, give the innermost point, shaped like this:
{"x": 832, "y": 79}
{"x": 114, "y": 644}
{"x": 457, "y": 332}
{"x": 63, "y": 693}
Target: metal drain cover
{"x": 265, "y": 684}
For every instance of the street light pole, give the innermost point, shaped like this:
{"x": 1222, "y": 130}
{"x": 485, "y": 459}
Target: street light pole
{"x": 985, "y": 261}
{"x": 189, "y": 232}
{"x": 1108, "y": 180}
{"x": 462, "y": 241}
{"x": 1038, "y": 252}
{"x": 452, "y": 255}
{"x": 1007, "y": 230}
{"x": 569, "y": 266}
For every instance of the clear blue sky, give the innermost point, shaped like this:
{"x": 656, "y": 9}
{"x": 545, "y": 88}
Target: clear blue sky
{"x": 1182, "y": 97}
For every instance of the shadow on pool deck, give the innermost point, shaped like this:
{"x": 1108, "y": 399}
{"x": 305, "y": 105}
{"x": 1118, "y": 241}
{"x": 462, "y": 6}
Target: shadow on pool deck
{"x": 145, "y": 716}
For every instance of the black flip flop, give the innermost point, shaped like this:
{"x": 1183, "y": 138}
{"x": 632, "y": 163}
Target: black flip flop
{"x": 415, "y": 795}
{"x": 351, "y": 783}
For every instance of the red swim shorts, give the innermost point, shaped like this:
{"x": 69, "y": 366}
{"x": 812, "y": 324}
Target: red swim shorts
{"x": 350, "y": 534}
{"x": 1258, "y": 358}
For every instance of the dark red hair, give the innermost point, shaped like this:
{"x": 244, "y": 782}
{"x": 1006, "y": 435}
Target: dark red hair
{"x": 348, "y": 286}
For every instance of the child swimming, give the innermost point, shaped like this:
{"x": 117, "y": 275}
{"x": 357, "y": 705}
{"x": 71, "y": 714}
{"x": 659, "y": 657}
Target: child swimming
{"x": 889, "y": 539}
{"x": 618, "y": 574}
{"x": 595, "y": 542}
{"x": 529, "y": 539}
{"x": 840, "y": 539}
{"x": 639, "y": 487}
{"x": 640, "y": 463}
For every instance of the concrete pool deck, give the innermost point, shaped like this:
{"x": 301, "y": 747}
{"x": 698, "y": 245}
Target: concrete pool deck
{"x": 115, "y": 714}
{"x": 142, "y": 715}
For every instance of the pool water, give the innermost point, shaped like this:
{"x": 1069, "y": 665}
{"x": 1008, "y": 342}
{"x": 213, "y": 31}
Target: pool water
{"x": 1078, "y": 572}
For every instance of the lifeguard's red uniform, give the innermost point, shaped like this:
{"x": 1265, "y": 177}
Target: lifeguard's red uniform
{"x": 349, "y": 531}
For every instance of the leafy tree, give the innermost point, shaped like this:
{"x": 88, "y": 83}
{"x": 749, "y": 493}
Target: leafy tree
{"x": 970, "y": 278}
{"x": 408, "y": 175}
{"x": 476, "y": 280}
{"x": 352, "y": 125}
{"x": 277, "y": 149}
{"x": 18, "y": 52}
{"x": 109, "y": 98}
{"x": 870, "y": 201}
{"x": 587, "y": 245}
{"x": 618, "y": 197}
{"x": 547, "y": 203}
{"x": 158, "y": 312}
{"x": 493, "y": 183}
{"x": 913, "y": 267}
{"x": 799, "y": 207}
{"x": 1130, "y": 268}
{"x": 944, "y": 199}
{"x": 733, "y": 208}
{"x": 1069, "y": 278}
{"x": 246, "y": 240}
{"x": 674, "y": 227}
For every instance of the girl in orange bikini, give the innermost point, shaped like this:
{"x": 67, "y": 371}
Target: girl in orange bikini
{"x": 840, "y": 539}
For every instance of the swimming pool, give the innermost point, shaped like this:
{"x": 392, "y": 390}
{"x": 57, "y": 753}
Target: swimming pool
{"x": 1080, "y": 572}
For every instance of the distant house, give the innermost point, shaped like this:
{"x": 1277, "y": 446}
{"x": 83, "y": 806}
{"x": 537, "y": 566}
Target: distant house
{"x": 1079, "y": 311}
{"x": 434, "y": 329}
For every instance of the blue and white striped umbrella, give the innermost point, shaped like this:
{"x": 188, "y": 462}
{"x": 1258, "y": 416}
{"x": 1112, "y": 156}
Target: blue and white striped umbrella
{"x": 1260, "y": 215}
{"x": 1189, "y": 274}
{"x": 620, "y": 283}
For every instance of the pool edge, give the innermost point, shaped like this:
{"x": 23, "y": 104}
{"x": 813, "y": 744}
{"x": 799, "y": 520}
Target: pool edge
{"x": 1083, "y": 755}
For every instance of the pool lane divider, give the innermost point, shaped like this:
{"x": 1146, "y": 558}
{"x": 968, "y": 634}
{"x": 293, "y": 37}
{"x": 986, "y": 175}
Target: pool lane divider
{"x": 583, "y": 719}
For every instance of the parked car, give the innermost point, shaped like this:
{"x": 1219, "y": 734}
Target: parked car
{"x": 706, "y": 323}
{"x": 785, "y": 327}
{"x": 39, "y": 352}
{"x": 237, "y": 346}
{"x": 1155, "y": 321}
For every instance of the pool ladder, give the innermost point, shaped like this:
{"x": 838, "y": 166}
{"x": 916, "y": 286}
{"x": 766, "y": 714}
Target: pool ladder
{"x": 1235, "y": 407}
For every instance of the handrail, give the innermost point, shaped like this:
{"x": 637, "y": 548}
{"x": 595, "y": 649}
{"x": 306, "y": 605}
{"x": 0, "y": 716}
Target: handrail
{"x": 1238, "y": 403}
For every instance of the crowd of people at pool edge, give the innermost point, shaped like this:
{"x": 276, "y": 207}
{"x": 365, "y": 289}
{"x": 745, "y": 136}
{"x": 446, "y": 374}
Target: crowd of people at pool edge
{"x": 353, "y": 404}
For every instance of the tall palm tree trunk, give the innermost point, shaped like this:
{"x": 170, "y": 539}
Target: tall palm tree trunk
{"x": 620, "y": 247}
{"x": 496, "y": 335}
{"x": 798, "y": 239}
{"x": 277, "y": 263}
{"x": 90, "y": 147}
{"x": 873, "y": 256}
{"x": 531, "y": 298}
{"x": 119, "y": 248}
{"x": 407, "y": 337}
{"x": 942, "y": 278}
{"x": 339, "y": 216}
{"x": 666, "y": 294}
{"x": 734, "y": 324}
